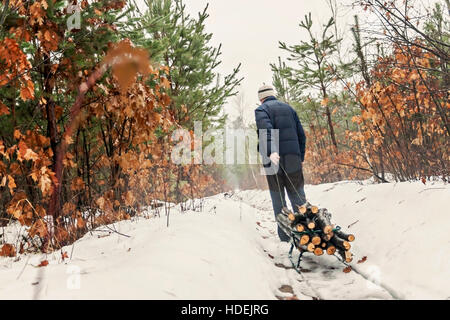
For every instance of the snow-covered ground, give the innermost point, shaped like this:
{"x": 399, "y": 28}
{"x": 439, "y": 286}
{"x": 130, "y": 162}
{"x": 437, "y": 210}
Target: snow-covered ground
{"x": 402, "y": 229}
{"x": 230, "y": 251}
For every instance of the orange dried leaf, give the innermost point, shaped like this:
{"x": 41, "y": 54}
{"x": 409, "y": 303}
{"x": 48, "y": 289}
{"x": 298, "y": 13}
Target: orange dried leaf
{"x": 26, "y": 93}
{"x": 17, "y": 134}
{"x": 101, "y": 202}
{"x": 11, "y": 184}
{"x": 44, "y": 181}
{"x": 364, "y": 259}
{"x": 26, "y": 153}
{"x": 127, "y": 62}
{"x": 38, "y": 228}
{"x": 77, "y": 184}
{"x": 43, "y": 263}
{"x": 165, "y": 82}
{"x": 80, "y": 223}
{"x": 3, "y": 182}
{"x": 47, "y": 35}
{"x": 3, "y": 109}
{"x": 8, "y": 250}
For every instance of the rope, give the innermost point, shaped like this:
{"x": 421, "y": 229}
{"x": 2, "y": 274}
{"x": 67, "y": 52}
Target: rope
{"x": 293, "y": 186}
{"x": 279, "y": 189}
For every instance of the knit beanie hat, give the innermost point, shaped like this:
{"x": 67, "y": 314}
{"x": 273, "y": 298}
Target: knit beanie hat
{"x": 265, "y": 91}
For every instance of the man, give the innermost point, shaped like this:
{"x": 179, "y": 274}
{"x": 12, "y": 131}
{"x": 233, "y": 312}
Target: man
{"x": 282, "y": 147}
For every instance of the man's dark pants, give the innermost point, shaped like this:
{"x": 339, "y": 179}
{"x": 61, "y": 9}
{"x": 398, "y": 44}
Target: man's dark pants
{"x": 289, "y": 179}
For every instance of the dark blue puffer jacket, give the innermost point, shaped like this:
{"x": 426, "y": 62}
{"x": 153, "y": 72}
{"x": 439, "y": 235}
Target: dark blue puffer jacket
{"x": 274, "y": 114}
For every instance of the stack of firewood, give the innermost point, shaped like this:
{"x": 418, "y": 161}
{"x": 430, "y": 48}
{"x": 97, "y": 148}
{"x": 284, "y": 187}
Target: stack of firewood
{"x": 312, "y": 231}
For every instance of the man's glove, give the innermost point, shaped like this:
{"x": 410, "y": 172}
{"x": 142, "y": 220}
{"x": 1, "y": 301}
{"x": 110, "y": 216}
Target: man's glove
{"x": 275, "y": 158}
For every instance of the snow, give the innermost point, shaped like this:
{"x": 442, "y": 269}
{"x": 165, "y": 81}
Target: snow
{"x": 200, "y": 256}
{"x": 230, "y": 251}
{"x": 402, "y": 229}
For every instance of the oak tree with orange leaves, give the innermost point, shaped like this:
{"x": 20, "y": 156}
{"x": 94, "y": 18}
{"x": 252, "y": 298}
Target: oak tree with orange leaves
{"x": 85, "y": 120}
{"x": 390, "y": 107}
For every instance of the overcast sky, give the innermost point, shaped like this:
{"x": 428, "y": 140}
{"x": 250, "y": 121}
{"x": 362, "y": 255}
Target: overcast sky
{"x": 249, "y": 31}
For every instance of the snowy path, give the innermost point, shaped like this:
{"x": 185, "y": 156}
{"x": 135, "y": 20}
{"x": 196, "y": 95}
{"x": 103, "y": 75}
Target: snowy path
{"x": 402, "y": 229}
{"x": 230, "y": 251}
{"x": 322, "y": 277}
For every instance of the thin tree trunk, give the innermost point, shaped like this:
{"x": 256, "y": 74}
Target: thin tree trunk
{"x": 55, "y": 200}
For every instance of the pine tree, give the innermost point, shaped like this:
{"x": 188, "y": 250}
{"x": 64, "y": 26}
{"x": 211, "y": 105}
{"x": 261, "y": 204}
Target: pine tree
{"x": 316, "y": 69}
{"x": 181, "y": 43}
{"x": 280, "y": 82}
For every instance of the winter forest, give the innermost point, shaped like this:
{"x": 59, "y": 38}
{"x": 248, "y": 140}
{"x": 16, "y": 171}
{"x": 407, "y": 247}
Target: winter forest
{"x": 118, "y": 121}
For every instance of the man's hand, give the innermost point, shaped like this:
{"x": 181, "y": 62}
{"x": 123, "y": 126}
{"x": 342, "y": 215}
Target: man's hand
{"x": 275, "y": 158}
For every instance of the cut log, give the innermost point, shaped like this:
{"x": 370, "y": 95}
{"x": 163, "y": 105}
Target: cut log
{"x": 300, "y": 227}
{"x": 322, "y": 236}
{"x": 323, "y": 222}
{"x": 296, "y": 242}
{"x": 294, "y": 217}
{"x": 345, "y": 236}
{"x": 331, "y": 249}
{"x": 283, "y": 223}
{"x": 316, "y": 240}
{"x": 318, "y": 251}
{"x": 327, "y": 237}
{"x": 308, "y": 208}
{"x": 310, "y": 224}
{"x": 346, "y": 256}
{"x": 302, "y": 209}
{"x": 341, "y": 244}
{"x": 288, "y": 213}
{"x": 310, "y": 247}
{"x": 304, "y": 239}
{"x": 328, "y": 229}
